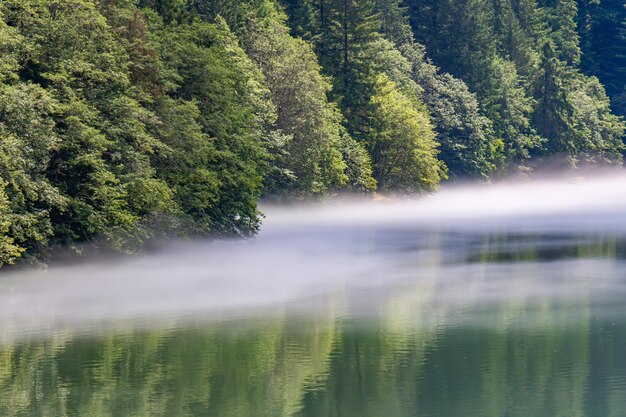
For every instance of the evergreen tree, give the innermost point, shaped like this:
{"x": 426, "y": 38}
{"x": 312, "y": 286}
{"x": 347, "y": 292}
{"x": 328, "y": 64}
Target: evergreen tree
{"x": 553, "y": 114}
{"x": 314, "y": 150}
{"x": 171, "y": 11}
{"x": 126, "y": 120}
{"x": 313, "y": 160}
{"x": 345, "y": 37}
{"x": 363, "y": 66}
{"x": 395, "y": 21}
{"x": 561, "y": 16}
{"x": 468, "y": 145}
{"x": 602, "y": 27}
{"x": 522, "y": 59}
{"x": 478, "y": 36}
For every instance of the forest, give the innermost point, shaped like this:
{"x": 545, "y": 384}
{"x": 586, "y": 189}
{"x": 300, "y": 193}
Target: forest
{"x": 124, "y": 122}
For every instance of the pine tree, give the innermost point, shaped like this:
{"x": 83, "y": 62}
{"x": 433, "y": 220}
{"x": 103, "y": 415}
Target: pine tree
{"x": 468, "y": 146}
{"x": 553, "y": 113}
{"x": 602, "y": 27}
{"x": 352, "y": 25}
{"x": 395, "y": 24}
{"x": 171, "y": 11}
{"x": 312, "y": 162}
{"x": 314, "y": 155}
{"x": 561, "y": 16}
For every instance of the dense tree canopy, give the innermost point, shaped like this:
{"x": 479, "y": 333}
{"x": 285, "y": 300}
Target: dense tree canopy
{"x": 122, "y": 121}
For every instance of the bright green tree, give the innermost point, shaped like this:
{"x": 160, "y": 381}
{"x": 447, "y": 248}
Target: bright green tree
{"x": 401, "y": 142}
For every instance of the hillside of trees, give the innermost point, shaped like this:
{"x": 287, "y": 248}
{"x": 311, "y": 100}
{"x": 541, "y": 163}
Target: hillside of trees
{"x": 126, "y": 121}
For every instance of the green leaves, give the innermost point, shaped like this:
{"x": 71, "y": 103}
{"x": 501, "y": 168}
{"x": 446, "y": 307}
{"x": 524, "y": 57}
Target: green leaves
{"x": 311, "y": 161}
{"x": 402, "y": 142}
{"x": 123, "y": 121}
{"x": 218, "y": 114}
{"x": 522, "y": 60}
{"x": 27, "y": 140}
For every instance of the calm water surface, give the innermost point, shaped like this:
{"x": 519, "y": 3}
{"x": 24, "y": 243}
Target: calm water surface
{"x": 340, "y": 312}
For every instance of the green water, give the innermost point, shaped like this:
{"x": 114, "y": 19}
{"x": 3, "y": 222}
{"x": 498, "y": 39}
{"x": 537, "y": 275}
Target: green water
{"x": 509, "y": 327}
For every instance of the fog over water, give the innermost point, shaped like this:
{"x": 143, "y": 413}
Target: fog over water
{"x": 477, "y": 246}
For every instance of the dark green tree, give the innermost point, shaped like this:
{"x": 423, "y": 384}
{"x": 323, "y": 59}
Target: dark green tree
{"x": 602, "y": 27}
{"x": 553, "y": 113}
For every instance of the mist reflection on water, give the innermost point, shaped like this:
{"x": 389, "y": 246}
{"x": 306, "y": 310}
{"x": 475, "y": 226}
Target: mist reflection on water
{"x": 501, "y": 301}
{"x": 478, "y": 245}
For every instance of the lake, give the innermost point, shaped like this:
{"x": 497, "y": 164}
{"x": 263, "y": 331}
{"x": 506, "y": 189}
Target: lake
{"x": 499, "y": 301}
